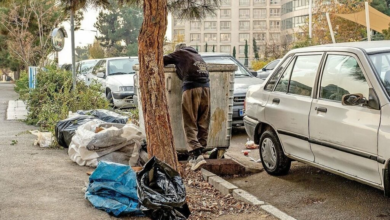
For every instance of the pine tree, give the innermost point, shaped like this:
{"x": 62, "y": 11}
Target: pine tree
{"x": 246, "y": 53}
{"x": 205, "y": 49}
{"x": 255, "y": 49}
{"x": 213, "y": 48}
{"x": 234, "y": 51}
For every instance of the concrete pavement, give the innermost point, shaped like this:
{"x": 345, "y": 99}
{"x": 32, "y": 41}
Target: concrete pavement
{"x": 38, "y": 183}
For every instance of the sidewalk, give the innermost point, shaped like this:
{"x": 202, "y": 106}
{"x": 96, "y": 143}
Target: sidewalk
{"x": 38, "y": 183}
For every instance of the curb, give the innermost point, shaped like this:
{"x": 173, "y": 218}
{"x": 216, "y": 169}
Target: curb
{"x": 226, "y": 187}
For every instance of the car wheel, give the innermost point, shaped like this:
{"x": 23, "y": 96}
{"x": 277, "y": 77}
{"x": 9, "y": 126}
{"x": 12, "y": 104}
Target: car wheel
{"x": 110, "y": 97}
{"x": 271, "y": 153}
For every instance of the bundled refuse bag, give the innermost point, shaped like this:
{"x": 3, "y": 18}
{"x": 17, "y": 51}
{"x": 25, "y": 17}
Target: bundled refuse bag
{"x": 113, "y": 188}
{"x": 65, "y": 129}
{"x": 105, "y": 115}
{"x": 161, "y": 192}
{"x": 96, "y": 140}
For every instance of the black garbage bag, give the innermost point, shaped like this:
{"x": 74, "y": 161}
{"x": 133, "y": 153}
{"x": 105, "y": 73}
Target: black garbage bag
{"x": 105, "y": 115}
{"x": 66, "y": 129}
{"x": 161, "y": 192}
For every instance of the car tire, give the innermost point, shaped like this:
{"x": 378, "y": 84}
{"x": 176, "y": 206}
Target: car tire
{"x": 109, "y": 97}
{"x": 271, "y": 154}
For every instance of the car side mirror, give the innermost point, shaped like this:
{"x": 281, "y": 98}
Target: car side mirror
{"x": 254, "y": 73}
{"x": 101, "y": 75}
{"x": 354, "y": 99}
{"x": 264, "y": 69}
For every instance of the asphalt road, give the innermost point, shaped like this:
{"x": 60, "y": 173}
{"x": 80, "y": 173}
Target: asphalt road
{"x": 310, "y": 193}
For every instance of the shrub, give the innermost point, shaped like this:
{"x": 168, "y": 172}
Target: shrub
{"x": 53, "y": 98}
{"x": 258, "y": 64}
{"x": 21, "y": 85}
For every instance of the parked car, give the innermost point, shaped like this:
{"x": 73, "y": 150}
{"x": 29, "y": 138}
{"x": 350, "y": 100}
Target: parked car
{"x": 116, "y": 77}
{"x": 83, "y": 67}
{"x": 327, "y": 106}
{"x": 267, "y": 69}
{"x": 243, "y": 79}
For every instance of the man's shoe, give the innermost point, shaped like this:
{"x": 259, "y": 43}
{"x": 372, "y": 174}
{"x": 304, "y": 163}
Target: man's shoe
{"x": 198, "y": 162}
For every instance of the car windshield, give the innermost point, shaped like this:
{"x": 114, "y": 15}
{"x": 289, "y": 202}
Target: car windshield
{"x": 382, "y": 65}
{"x": 121, "y": 66}
{"x": 272, "y": 65}
{"x": 88, "y": 65}
{"x": 241, "y": 71}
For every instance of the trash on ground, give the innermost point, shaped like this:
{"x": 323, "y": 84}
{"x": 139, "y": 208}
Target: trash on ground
{"x": 65, "y": 129}
{"x": 117, "y": 143}
{"x": 44, "y": 139}
{"x": 252, "y": 159}
{"x": 105, "y": 115}
{"x": 113, "y": 188}
{"x": 246, "y": 152}
{"x": 161, "y": 191}
{"x": 251, "y": 145}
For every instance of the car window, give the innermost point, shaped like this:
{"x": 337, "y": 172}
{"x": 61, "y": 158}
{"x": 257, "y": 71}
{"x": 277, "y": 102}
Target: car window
{"x": 382, "y": 65}
{"x": 283, "y": 82}
{"x": 276, "y": 75}
{"x": 227, "y": 60}
{"x": 342, "y": 75}
{"x": 272, "y": 65}
{"x": 100, "y": 67}
{"x": 304, "y": 74}
{"x": 87, "y": 66}
{"x": 121, "y": 66}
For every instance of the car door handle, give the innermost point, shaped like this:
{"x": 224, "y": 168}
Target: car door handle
{"x": 321, "y": 109}
{"x": 276, "y": 100}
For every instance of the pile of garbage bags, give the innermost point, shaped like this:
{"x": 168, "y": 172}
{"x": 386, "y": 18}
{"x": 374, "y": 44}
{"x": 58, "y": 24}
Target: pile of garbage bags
{"x": 100, "y": 135}
{"x": 157, "y": 191}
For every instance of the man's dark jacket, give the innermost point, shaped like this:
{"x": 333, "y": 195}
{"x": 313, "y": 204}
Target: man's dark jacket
{"x": 190, "y": 68}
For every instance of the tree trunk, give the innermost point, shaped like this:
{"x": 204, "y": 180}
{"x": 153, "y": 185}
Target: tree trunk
{"x": 152, "y": 83}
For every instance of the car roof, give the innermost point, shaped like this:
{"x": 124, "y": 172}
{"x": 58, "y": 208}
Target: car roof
{"x": 211, "y": 54}
{"x": 368, "y": 46}
{"x": 118, "y": 58}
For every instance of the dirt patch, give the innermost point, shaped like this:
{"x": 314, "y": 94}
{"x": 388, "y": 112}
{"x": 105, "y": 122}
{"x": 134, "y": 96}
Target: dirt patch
{"x": 205, "y": 202}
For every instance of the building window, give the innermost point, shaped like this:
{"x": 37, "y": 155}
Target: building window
{"x": 196, "y": 47}
{"x": 287, "y": 8}
{"x": 259, "y": 36}
{"x": 225, "y": 13}
{"x": 261, "y": 48}
{"x": 244, "y": 3}
{"x": 274, "y": 2}
{"x": 225, "y": 49}
{"x": 244, "y": 37}
{"x": 178, "y": 23}
{"x": 300, "y": 4}
{"x": 195, "y": 25}
{"x": 178, "y": 34}
{"x": 274, "y": 12}
{"x": 274, "y": 25}
{"x": 259, "y": 2}
{"x": 241, "y": 49}
{"x": 211, "y": 47}
{"x": 210, "y": 25}
{"x": 275, "y": 37}
{"x": 259, "y": 25}
{"x": 195, "y": 37}
{"x": 225, "y": 37}
{"x": 210, "y": 37}
{"x": 211, "y": 15}
{"x": 259, "y": 13}
{"x": 225, "y": 2}
{"x": 244, "y": 25}
{"x": 245, "y": 13}
{"x": 225, "y": 25}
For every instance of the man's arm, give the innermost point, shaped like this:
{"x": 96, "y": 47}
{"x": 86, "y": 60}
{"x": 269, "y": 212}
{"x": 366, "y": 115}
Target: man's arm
{"x": 170, "y": 59}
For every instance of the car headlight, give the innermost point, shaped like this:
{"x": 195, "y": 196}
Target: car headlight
{"x": 126, "y": 88}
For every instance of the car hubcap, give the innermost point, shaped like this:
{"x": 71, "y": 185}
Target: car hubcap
{"x": 268, "y": 152}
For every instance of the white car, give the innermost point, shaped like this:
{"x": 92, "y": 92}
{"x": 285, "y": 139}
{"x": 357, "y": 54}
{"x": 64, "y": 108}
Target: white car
{"x": 116, "y": 77}
{"x": 84, "y": 67}
{"x": 327, "y": 106}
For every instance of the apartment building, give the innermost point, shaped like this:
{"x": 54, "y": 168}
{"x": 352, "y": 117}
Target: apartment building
{"x": 295, "y": 13}
{"x": 235, "y": 22}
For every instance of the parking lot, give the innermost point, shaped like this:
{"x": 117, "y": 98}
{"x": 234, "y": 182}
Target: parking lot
{"x": 310, "y": 193}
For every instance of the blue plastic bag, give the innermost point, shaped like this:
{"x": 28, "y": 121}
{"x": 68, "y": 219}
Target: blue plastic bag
{"x": 113, "y": 188}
